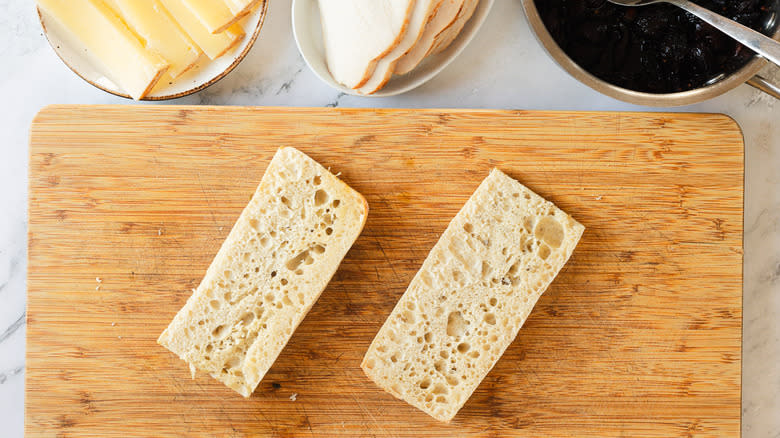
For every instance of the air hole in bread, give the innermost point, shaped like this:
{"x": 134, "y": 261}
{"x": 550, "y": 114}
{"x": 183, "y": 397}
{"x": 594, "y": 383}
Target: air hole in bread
{"x": 248, "y": 318}
{"x": 440, "y": 389}
{"x": 490, "y": 318}
{"x": 218, "y": 331}
{"x": 320, "y": 197}
{"x": 550, "y": 231}
{"x": 544, "y": 252}
{"x": 329, "y": 231}
{"x": 317, "y": 180}
{"x": 336, "y": 203}
{"x": 463, "y": 347}
{"x": 456, "y": 324}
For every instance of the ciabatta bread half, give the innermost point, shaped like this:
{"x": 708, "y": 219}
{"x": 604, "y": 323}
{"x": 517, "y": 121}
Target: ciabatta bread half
{"x": 274, "y": 264}
{"x": 471, "y": 296}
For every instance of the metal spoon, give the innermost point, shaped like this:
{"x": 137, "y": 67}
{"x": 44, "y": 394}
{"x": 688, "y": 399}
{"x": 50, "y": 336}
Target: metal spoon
{"x": 758, "y": 42}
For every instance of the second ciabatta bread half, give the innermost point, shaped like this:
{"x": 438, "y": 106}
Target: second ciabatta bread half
{"x": 273, "y": 266}
{"x": 471, "y": 296}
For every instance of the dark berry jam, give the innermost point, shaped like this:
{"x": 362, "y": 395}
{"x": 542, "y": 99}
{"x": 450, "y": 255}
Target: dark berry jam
{"x": 657, "y": 48}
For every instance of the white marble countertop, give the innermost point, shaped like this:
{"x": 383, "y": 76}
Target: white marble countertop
{"x": 503, "y": 67}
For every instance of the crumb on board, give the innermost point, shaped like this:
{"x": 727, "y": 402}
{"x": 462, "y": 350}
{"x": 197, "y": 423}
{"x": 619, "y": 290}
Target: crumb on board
{"x": 159, "y": 232}
{"x": 119, "y": 337}
{"x": 294, "y": 396}
{"x": 113, "y": 324}
{"x": 97, "y": 287}
{"x": 598, "y": 198}
{"x": 98, "y": 279}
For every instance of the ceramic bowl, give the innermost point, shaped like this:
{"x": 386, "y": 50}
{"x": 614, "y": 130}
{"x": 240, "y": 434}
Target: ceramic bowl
{"x": 202, "y": 75}
{"x": 308, "y": 37}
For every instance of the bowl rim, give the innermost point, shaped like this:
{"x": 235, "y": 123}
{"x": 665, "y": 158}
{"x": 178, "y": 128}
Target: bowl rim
{"x": 689, "y": 97}
{"x": 210, "y": 82}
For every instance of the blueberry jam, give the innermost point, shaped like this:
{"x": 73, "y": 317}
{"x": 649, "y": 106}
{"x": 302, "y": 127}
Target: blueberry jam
{"x": 657, "y": 48}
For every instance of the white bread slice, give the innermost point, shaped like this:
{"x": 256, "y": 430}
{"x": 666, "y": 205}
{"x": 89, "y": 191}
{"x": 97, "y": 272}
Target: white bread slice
{"x": 274, "y": 264}
{"x": 357, "y": 33}
{"x": 448, "y": 35}
{"x": 473, "y": 293}
{"x": 421, "y": 14}
{"x": 445, "y": 15}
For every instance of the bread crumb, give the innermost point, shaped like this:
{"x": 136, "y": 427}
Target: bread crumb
{"x": 193, "y": 371}
{"x": 159, "y": 232}
{"x": 119, "y": 337}
{"x": 113, "y": 324}
{"x": 598, "y": 198}
{"x": 98, "y": 279}
{"x": 294, "y": 396}
{"x": 97, "y": 287}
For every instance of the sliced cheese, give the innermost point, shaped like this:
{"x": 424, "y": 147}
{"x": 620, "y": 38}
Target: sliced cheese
{"x": 214, "y": 14}
{"x": 159, "y": 32}
{"x": 109, "y": 42}
{"x": 213, "y": 45}
{"x": 240, "y": 8}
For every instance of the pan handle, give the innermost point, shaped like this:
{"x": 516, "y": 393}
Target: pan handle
{"x": 764, "y": 85}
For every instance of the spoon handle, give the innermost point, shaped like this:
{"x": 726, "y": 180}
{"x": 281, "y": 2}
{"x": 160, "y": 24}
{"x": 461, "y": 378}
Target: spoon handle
{"x": 758, "y": 42}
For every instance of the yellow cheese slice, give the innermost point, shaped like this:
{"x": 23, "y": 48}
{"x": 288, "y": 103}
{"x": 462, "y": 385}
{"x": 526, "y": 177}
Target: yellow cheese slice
{"x": 109, "y": 42}
{"x": 240, "y": 8}
{"x": 213, "y": 45}
{"x": 214, "y": 14}
{"x": 159, "y": 32}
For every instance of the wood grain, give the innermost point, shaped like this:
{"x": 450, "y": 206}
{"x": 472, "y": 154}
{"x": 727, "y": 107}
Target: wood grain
{"x": 640, "y": 335}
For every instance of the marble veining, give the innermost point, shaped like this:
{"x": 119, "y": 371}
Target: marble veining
{"x": 503, "y": 67}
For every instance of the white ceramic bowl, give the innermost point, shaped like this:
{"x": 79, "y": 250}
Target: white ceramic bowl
{"x": 203, "y": 74}
{"x": 308, "y": 36}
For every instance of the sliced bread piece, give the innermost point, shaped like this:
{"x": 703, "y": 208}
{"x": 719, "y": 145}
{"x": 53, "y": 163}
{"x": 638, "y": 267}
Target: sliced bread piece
{"x": 445, "y": 15}
{"x": 274, "y": 264}
{"x": 357, "y": 33}
{"x": 471, "y": 296}
{"x": 448, "y": 35}
{"x": 421, "y": 14}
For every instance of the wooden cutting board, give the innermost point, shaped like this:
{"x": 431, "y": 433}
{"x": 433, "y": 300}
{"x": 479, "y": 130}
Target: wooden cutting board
{"x": 640, "y": 334}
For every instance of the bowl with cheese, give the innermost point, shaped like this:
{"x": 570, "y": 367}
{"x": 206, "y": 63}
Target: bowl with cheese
{"x": 151, "y": 49}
